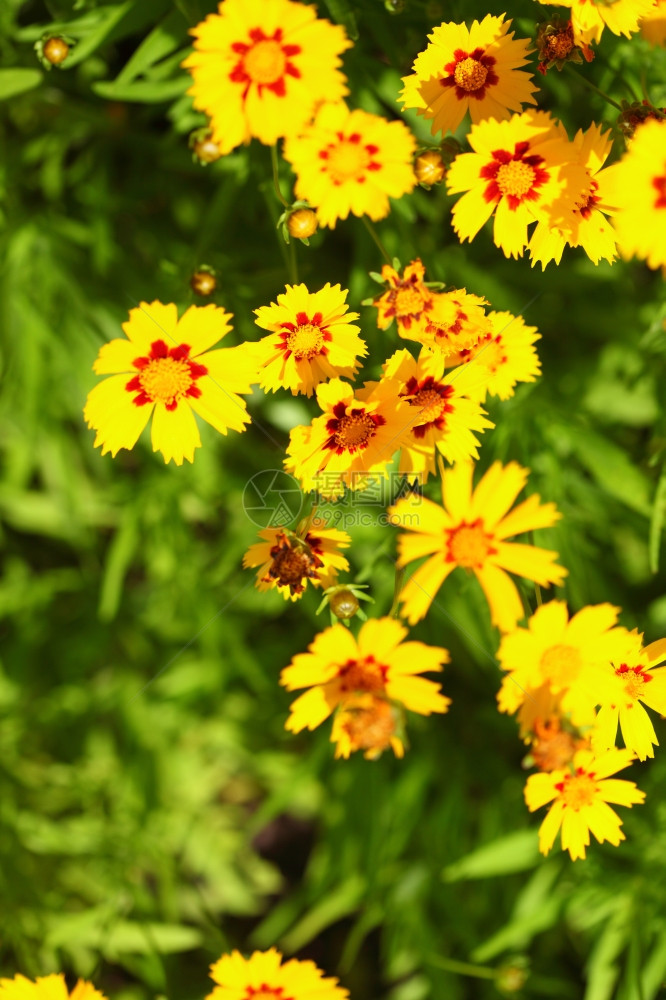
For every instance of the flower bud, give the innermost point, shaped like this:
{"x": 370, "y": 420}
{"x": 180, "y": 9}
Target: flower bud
{"x": 634, "y": 114}
{"x": 203, "y": 281}
{"x": 344, "y": 604}
{"x": 55, "y": 50}
{"x": 302, "y": 223}
{"x": 429, "y": 167}
{"x": 203, "y": 146}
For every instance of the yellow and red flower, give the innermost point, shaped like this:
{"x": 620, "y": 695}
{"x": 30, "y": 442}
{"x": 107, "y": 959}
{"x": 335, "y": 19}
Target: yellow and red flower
{"x": 370, "y": 723}
{"x": 261, "y": 67}
{"x": 522, "y": 170}
{"x": 351, "y": 161}
{"x": 289, "y": 559}
{"x": 476, "y": 69}
{"x": 455, "y": 323}
{"x": 51, "y": 987}
{"x": 265, "y": 976}
{"x": 313, "y": 338}
{"x": 165, "y": 369}
{"x": 470, "y": 531}
{"x": 580, "y": 796}
{"x": 407, "y": 300}
{"x": 590, "y": 17}
{"x": 653, "y": 24}
{"x": 502, "y": 357}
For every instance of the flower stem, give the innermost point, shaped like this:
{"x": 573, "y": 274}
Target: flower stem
{"x": 592, "y": 86}
{"x": 397, "y": 587}
{"x": 462, "y": 968}
{"x": 276, "y": 176}
{"x": 293, "y": 262}
{"x": 373, "y": 232}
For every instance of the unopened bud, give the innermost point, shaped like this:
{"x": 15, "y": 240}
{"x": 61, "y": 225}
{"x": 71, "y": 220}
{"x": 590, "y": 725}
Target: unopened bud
{"x": 203, "y": 281}
{"x": 344, "y": 604}
{"x": 556, "y": 46}
{"x": 302, "y": 223}
{"x": 204, "y": 147}
{"x": 429, "y": 168}
{"x": 634, "y": 114}
{"x": 55, "y": 50}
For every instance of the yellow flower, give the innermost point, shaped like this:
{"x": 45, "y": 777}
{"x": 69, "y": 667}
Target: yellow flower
{"x": 636, "y": 188}
{"x": 338, "y": 668}
{"x": 592, "y": 231}
{"x": 552, "y": 746}
{"x": 590, "y": 17}
{"x": 520, "y": 169}
{"x": 631, "y": 679}
{"x": 351, "y": 161}
{"x": 369, "y": 723}
{"x": 407, "y": 300}
{"x": 475, "y": 68}
{"x": 569, "y": 657}
{"x": 653, "y": 25}
{"x": 580, "y": 797}
{"x": 313, "y": 338}
{"x": 456, "y": 322}
{"x": 264, "y": 976}
{"x": 165, "y": 369}
{"x": 351, "y": 438}
{"x": 51, "y": 987}
{"x": 503, "y": 357}
{"x": 260, "y": 68}
{"x": 288, "y": 559}
{"x": 441, "y": 417}
{"x": 469, "y": 531}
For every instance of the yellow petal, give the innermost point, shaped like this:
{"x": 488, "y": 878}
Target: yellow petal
{"x": 175, "y": 433}
{"x": 110, "y": 411}
{"x": 506, "y": 608}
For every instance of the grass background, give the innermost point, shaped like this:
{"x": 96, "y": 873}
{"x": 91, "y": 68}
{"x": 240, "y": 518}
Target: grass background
{"x": 153, "y": 811}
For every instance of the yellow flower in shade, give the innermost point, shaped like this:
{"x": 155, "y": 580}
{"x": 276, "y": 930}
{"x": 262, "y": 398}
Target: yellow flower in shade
{"x": 631, "y": 678}
{"x": 51, "y": 987}
{"x": 265, "y": 976}
{"x": 552, "y": 746}
{"x": 351, "y": 438}
{"x": 523, "y": 171}
{"x": 636, "y": 188}
{"x": 592, "y": 231}
{"x": 469, "y": 531}
{"x": 313, "y": 338}
{"x": 568, "y": 656}
{"x": 338, "y": 668}
{"x": 407, "y": 300}
{"x": 289, "y": 559}
{"x": 503, "y": 357}
{"x": 456, "y": 322}
{"x": 475, "y": 69}
{"x": 590, "y": 17}
{"x": 653, "y": 24}
{"x": 351, "y": 161}
{"x": 369, "y": 723}
{"x": 260, "y": 68}
{"x": 580, "y": 796}
{"x": 441, "y": 418}
{"x": 165, "y": 369}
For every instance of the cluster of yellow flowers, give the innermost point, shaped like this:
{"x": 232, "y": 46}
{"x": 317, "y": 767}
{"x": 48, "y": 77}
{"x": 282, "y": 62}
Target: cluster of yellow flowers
{"x": 270, "y": 69}
{"x": 262, "y": 976}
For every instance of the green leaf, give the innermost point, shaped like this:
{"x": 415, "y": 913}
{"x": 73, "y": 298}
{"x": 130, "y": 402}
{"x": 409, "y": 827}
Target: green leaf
{"x": 161, "y": 42}
{"x": 516, "y": 852}
{"x": 603, "y": 968}
{"x": 17, "y": 81}
{"x": 143, "y": 91}
{"x": 657, "y": 520}
{"x": 121, "y": 551}
{"x": 341, "y": 12}
{"x": 612, "y": 470}
{"x": 338, "y": 903}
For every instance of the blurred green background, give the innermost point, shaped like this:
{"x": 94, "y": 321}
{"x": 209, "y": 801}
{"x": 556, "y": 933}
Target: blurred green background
{"x": 153, "y": 811}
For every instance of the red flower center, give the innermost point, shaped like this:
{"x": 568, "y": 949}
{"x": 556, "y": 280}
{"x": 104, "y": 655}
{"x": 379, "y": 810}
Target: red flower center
{"x": 659, "y": 184}
{"x": 265, "y": 992}
{"x": 306, "y": 338}
{"x": 586, "y": 206}
{"x": 469, "y": 545}
{"x": 514, "y": 176}
{"x": 265, "y": 62}
{"x": 471, "y": 73}
{"x": 578, "y": 790}
{"x": 165, "y": 376}
{"x": 429, "y": 398}
{"x": 351, "y": 431}
{"x": 362, "y": 675}
{"x": 349, "y": 159}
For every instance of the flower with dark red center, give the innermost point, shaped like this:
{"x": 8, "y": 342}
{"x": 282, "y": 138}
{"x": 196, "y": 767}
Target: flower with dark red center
{"x": 289, "y": 560}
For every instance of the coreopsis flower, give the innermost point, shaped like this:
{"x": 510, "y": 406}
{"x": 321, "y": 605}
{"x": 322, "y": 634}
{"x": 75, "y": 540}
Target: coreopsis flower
{"x": 631, "y": 682}
{"x": 289, "y": 559}
{"x": 261, "y": 67}
{"x": 470, "y": 531}
{"x": 556, "y": 46}
{"x": 51, "y": 987}
{"x": 407, "y": 300}
{"x": 580, "y": 796}
{"x": 351, "y": 161}
{"x": 653, "y": 24}
{"x": 351, "y": 438}
{"x": 475, "y": 69}
{"x": 591, "y": 230}
{"x": 635, "y": 113}
{"x": 522, "y": 170}
{"x": 313, "y": 338}
{"x": 441, "y": 417}
{"x": 636, "y": 188}
{"x": 165, "y": 369}
{"x": 590, "y": 17}
{"x": 338, "y": 668}
{"x": 455, "y": 322}
{"x": 554, "y": 747}
{"x": 503, "y": 356}
{"x": 266, "y": 976}
{"x": 369, "y": 723}
{"x": 569, "y": 656}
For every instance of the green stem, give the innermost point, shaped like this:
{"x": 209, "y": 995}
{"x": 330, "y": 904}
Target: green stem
{"x": 373, "y": 232}
{"x": 397, "y": 587}
{"x": 592, "y": 86}
{"x": 276, "y": 176}
{"x": 293, "y": 262}
{"x": 462, "y": 968}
